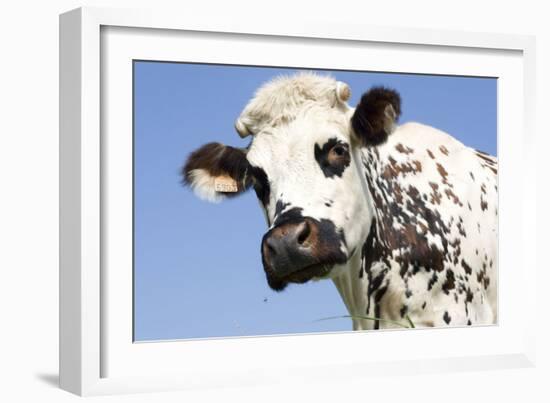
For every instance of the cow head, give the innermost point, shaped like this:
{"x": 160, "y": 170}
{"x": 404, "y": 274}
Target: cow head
{"x": 304, "y": 163}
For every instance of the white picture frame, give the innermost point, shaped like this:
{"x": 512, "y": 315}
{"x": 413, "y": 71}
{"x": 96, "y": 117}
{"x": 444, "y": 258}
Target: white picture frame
{"x": 97, "y": 355}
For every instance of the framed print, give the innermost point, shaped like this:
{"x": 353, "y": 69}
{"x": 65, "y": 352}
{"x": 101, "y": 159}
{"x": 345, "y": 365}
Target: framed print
{"x": 243, "y": 204}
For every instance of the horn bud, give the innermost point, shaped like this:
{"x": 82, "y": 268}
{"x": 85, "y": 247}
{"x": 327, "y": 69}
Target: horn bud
{"x": 343, "y": 92}
{"x": 241, "y": 128}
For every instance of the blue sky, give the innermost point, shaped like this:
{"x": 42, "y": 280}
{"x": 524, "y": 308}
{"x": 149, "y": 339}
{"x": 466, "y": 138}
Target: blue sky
{"x": 197, "y": 266}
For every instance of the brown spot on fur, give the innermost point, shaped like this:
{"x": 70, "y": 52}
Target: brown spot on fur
{"x": 449, "y": 283}
{"x": 451, "y": 196}
{"x": 467, "y": 268}
{"x": 485, "y": 157}
{"x": 442, "y": 171}
{"x": 394, "y": 169}
{"x": 423, "y": 228}
{"x": 403, "y": 149}
{"x": 435, "y": 195}
{"x": 389, "y": 173}
{"x": 398, "y": 195}
{"x": 487, "y": 161}
{"x": 457, "y": 251}
{"x": 483, "y": 204}
{"x": 446, "y": 317}
{"x": 461, "y": 230}
{"x": 432, "y": 156}
{"x": 444, "y": 150}
{"x": 409, "y": 232}
{"x": 443, "y": 174}
{"x": 482, "y": 277}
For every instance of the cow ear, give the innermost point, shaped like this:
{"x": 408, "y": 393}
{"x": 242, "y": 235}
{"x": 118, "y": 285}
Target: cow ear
{"x": 216, "y": 171}
{"x": 375, "y": 116}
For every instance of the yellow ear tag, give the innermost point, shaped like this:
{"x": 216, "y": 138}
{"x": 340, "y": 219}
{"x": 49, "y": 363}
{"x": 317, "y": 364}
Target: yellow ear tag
{"x": 225, "y": 184}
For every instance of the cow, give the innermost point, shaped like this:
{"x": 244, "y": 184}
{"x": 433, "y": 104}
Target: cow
{"x": 402, "y": 218}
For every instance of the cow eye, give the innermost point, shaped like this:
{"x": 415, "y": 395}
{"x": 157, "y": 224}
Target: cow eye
{"x": 333, "y": 157}
{"x": 338, "y": 153}
{"x": 339, "y": 150}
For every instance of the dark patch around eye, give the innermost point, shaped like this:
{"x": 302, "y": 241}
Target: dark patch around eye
{"x": 261, "y": 184}
{"x": 333, "y": 158}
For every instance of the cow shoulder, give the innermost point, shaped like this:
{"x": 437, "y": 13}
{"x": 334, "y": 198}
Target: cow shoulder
{"x": 423, "y": 195}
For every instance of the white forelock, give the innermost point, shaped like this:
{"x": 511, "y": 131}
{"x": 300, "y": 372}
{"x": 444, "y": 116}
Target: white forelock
{"x": 279, "y": 100}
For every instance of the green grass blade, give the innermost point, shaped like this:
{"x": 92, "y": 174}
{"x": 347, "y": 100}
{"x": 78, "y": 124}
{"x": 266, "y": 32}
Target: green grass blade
{"x": 407, "y": 326}
{"x": 410, "y": 321}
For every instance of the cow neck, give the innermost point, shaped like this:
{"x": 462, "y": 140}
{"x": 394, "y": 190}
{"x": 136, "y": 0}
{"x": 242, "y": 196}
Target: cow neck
{"x": 361, "y": 285}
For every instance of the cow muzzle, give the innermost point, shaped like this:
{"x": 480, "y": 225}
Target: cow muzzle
{"x": 297, "y": 251}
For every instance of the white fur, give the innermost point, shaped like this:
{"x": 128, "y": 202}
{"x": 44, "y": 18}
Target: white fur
{"x": 278, "y": 101}
{"x": 203, "y": 184}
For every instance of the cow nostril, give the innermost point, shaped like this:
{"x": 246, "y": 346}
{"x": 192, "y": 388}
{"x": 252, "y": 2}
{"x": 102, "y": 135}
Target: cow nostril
{"x": 305, "y": 230}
